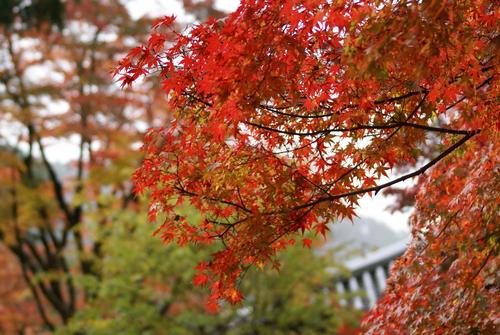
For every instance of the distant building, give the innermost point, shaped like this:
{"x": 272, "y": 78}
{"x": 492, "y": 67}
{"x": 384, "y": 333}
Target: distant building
{"x": 369, "y": 275}
{"x": 368, "y": 249}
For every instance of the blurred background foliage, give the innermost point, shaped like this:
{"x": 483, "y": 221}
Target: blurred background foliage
{"x": 77, "y": 254}
{"x": 146, "y": 288}
{"x": 33, "y": 13}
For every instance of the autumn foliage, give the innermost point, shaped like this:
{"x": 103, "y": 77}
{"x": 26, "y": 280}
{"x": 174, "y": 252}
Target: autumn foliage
{"x": 287, "y": 112}
{"x": 76, "y": 253}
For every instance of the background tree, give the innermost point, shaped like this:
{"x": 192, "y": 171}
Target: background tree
{"x": 287, "y": 112}
{"x": 55, "y": 84}
{"x": 151, "y": 283}
{"x": 14, "y": 298}
{"x": 32, "y": 13}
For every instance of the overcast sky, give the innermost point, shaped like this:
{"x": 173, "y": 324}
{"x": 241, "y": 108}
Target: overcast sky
{"x": 140, "y": 8}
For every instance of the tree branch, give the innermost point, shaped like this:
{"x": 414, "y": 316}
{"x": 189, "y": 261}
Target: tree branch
{"x": 376, "y": 189}
{"x": 277, "y": 110}
{"x": 58, "y": 189}
{"x": 362, "y": 127}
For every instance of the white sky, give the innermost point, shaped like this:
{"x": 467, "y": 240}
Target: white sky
{"x": 64, "y": 152}
{"x": 376, "y": 208}
{"x": 140, "y": 8}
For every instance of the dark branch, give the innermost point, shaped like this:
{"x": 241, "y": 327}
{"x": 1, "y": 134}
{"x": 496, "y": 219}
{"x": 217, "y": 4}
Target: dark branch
{"x": 277, "y": 110}
{"x": 362, "y": 127}
{"x": 376, "y": 189}
{"x": 58, "y": 189}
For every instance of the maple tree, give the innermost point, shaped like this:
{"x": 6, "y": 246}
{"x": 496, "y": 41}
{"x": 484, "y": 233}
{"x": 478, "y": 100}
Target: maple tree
{"x": 75, "y": 253}
{"x": 287, "y": 112}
